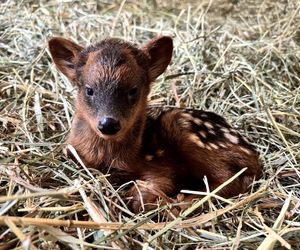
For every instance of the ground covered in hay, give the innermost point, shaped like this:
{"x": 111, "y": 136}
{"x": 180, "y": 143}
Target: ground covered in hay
{"x": 240, "y": 59}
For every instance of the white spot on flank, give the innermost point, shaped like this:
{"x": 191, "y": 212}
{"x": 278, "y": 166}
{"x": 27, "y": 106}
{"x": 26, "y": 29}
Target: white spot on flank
{"x": 225, "y": 130}
{"x": 195, "y": 139}
{"x": 232, "y": 138}
{"x": 203, "y": 134}
{"x": 208, "y": 125}
{"x": 212, "y": 132}
{"x": 245, "y": 150}
{"x": 197, "y": 121}
{"x": 200, "y": 144}
{"x": 184, "y": 123}
{"x": 223, "y": 145}
{"x": 187, "y": 116}
{"x": 232, "y": 130}
{"x": 213, "y": 145}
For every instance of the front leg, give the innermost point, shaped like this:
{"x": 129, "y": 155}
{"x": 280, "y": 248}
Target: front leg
{"x": 151, "y": 187}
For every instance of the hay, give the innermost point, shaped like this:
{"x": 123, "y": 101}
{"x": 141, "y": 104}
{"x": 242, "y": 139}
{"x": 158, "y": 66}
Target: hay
{"x": 240, "y": 59}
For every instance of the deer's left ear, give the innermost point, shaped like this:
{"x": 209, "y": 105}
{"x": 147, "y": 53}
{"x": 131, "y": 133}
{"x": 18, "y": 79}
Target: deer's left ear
{"x": 160, "y": 52}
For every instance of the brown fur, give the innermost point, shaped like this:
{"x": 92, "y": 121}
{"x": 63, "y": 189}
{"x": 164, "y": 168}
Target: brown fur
{"x": 168, "y": 148}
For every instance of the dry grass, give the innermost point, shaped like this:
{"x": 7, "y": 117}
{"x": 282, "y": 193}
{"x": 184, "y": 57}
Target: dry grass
{"x": 240, "y": 59}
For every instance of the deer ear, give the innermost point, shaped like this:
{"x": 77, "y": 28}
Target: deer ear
{"x": 65, "y": 55}
{"x": 160, "y": 52}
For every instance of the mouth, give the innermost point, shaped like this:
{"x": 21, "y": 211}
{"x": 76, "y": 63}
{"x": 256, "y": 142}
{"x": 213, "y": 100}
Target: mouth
{"x": 116, "y": 137}
{"x": 109, "y": 137}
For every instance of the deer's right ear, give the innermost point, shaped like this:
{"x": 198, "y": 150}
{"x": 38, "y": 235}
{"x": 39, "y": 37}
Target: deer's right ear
{"x": 65, "y": 55}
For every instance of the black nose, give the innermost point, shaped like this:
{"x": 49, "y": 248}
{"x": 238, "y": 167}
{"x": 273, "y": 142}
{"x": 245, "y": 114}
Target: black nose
{"x": 109, "y": 126}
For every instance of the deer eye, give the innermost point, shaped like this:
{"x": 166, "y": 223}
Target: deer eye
{"x": 133, "y": 94}
{"x": 89, "y": 91}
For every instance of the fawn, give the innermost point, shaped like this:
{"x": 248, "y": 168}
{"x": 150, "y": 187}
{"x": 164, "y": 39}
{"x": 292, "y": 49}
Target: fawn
{"x": 168, "y": 148}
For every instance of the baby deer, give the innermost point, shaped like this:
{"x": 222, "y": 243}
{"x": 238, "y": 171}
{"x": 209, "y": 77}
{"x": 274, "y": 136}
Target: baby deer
{"x": 168, "y": 148}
